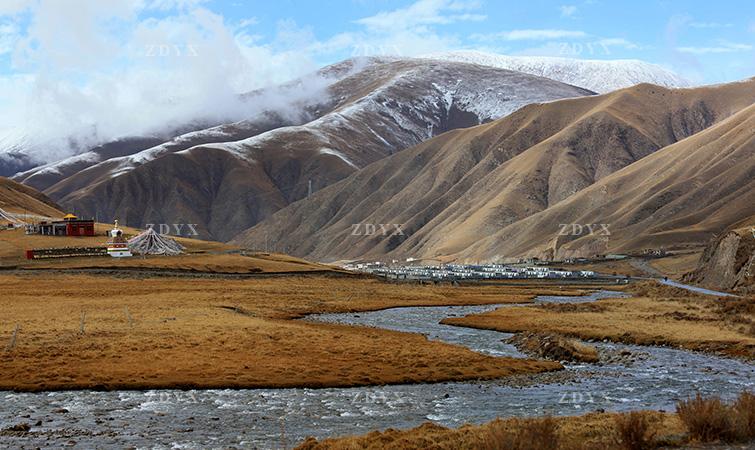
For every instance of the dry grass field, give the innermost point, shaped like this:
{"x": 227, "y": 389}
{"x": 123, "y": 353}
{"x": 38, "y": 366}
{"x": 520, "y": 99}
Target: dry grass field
{"x": 654, "y": 315}
{"x": 126, "y": 333}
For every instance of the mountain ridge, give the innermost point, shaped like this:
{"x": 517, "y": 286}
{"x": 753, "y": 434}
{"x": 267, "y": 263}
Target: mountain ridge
{"x": 495, "y": 175}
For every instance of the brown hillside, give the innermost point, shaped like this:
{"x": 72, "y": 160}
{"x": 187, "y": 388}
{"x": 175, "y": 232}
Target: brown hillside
{"x": 502, "y": 189}
{"x": 679, "y": 196}
{"x": 20, "y": 199}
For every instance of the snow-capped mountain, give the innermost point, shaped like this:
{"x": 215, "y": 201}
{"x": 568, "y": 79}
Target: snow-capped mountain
{"x": 13, "y": 143}
{"x": 227, "y": 178}
{"x": 596, "y": 75}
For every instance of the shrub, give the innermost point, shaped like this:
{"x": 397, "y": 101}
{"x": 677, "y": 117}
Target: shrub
{"x": 706, "y": 419}
{"x": 744, "y": 416}
{"x": 634, "y": 431}
{"x": 541, "y": 434}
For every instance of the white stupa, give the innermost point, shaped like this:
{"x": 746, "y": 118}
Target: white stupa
{"x": 117, "y": 246}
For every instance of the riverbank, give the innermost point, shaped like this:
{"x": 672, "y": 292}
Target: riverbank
{"x": 589, "y": 431}
{"x": 654, "y": 315}
{"x": 106, "y": 333}
{"x": 698, "y": 422}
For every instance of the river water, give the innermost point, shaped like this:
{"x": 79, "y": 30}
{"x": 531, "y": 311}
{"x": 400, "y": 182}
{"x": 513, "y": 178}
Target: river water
{"x": 281, "y": 418}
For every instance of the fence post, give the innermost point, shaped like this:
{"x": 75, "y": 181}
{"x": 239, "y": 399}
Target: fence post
{"x": 128, "y": 316}
{"x": 14, "y": 336}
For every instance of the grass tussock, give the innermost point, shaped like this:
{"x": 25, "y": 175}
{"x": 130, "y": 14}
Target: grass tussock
{"x": 634, "y": 433}
{"x": 712, "y": 420}
{"x": 534, "y": 433}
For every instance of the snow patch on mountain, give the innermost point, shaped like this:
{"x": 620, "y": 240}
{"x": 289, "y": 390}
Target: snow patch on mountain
{"x": 600, "y": 76}
{"x": 57, "y": 167}
{"x": 336, "y": 153}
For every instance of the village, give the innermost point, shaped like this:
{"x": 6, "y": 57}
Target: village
{"x": 457, "y": 272}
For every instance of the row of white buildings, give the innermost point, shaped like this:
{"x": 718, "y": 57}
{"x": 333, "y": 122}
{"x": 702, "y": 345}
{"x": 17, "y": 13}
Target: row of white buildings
{"x": 468, "y": 272}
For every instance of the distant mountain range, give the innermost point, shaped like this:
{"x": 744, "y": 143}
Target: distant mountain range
{"x": 229, "y": 177}
{"x": 642, "y": 167}
{"x": 474, "y": 156}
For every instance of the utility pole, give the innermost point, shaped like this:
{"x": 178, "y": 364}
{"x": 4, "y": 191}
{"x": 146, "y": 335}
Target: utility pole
{"x": 309, "y": 192}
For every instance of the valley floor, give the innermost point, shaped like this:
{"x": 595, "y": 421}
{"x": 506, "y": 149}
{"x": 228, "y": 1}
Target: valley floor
{"x": 105, "y": 332}
{"x": 67, "y": 332}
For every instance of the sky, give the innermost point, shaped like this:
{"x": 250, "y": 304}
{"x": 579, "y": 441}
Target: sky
{"x": 120, "y": 65}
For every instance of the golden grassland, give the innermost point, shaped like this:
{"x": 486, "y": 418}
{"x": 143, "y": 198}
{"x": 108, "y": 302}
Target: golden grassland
{"x": 104, "y": 332}
{"x": 654, "y": 315}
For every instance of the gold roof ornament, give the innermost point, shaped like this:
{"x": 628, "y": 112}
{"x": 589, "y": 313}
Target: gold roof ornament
{"x": 69, "y": 216}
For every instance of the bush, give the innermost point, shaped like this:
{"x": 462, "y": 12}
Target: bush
{"x": 706, "y": 419}
{"x": 744, "y": 416}
{"x": 634, "y": 431}
{"x": 529, "y": 434}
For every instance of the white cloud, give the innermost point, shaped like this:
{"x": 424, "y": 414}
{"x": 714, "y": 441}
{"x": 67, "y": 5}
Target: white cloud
{"x": 95, "y": 71}
{"x": 9, "y": 35}
{"x": 173, "y": 4}
{"x": 408, "y": 31}
{"x": 248, "y": 22}
{"x": 11, "y": 7}
{"x": 423, "y": 13}
{"x": 530, "y": 35}
{"x": 568, "y": 10}
{"x": 618, "y": 42}
{"x": 99, "y": 70}
{"x": 722, "y": 47}
{"x": 710, "y": 25}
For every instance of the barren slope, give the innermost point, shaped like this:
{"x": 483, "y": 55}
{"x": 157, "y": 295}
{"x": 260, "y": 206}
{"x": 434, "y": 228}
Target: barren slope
{"x": 465, "y": 194}
{"x": 679, "y": 196}
{"x": 18, "y": 199}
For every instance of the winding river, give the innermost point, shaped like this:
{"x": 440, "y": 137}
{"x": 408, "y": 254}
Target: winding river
{"x": 652, "y": 377}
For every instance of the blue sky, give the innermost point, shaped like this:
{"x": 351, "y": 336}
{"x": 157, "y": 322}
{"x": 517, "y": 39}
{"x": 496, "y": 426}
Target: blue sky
{"x": 702, "y": 40}
{"x": 73, "y": 63}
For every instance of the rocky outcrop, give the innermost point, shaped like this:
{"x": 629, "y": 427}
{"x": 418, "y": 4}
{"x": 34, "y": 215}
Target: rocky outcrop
{"x": 728, "y": 262}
